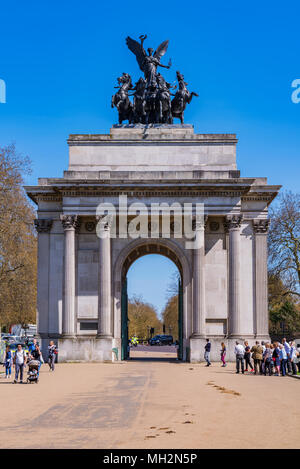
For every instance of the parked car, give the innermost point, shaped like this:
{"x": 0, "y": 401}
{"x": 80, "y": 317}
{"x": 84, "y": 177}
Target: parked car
{"x": 161, "y": 340}
{"x": 12, "y": 339}
{"x": 13, "y": 347}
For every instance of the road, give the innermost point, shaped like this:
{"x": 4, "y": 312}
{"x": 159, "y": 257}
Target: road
{"x": 150, "y": 403}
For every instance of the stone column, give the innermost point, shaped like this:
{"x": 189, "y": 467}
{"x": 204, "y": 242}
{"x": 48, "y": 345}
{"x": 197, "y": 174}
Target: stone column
{"x": 70, "y": 223}
{"x": 261, "y": 322}
{"x": 232, "y": 224}
{"x": 104, "y": 304}
{"x": 43, "y": 227}
{"x": 199, "y": 316}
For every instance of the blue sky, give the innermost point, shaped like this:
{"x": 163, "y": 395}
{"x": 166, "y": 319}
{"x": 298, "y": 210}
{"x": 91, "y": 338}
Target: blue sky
{"x": 152, "y": 276}
{"x": 60, "y": 61}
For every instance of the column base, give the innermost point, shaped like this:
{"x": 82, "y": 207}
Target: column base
{"x": 197, "y": 345}
{"x": 103, "y": 348}
{"x": 85, "y": 349}
{"x": 262, "y": 336}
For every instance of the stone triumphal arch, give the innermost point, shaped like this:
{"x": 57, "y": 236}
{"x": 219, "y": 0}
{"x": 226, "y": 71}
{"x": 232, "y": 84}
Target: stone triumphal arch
{"x": 84, "y": 255}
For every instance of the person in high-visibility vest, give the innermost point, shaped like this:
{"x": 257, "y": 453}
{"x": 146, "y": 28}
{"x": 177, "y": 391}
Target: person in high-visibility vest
{"x": 134, "y": 341}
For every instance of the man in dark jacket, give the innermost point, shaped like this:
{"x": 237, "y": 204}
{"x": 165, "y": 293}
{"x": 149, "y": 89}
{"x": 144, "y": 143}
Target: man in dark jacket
{"x": 207, "y": 352}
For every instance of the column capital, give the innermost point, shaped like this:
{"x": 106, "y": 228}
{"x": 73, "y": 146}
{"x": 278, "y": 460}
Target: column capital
{"x": 70, "y": 222}
{"x": 199, "y": 223}
{"x": 43, "y": 225}
{"x": 233, "y": 222}
{"x": 261, "y": 226}
{"x": 105, "y": 221}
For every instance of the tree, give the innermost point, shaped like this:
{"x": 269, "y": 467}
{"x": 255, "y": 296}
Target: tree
{"x": 141, "y": 317}
{"x": 285, "y": 319}
{"x": 284, "y": 242}
{"x": 170, "y": 316}
{"x": 17, "y": 242}
{"x": 170, "y": 312}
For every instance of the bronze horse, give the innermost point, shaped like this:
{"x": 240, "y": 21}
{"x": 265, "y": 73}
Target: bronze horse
{"x": 121, "y": 100}
{"x": 181, "y": 99}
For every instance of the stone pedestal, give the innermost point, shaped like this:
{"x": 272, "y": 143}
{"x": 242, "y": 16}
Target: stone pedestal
{"x": 85, "y": 349}
{"x": 197, "y": 349}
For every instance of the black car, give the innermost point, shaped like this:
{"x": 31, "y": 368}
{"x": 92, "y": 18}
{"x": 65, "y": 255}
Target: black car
{"x": 161, "y": 340}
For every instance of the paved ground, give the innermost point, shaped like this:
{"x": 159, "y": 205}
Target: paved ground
{"x": 150, "y": 404}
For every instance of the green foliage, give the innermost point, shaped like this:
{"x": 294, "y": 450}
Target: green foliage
{"x": 285, "y": 316}
{"x": 142, "y": 316}
{"x": 170, "y": 316}
{"x": 17, "y": 242}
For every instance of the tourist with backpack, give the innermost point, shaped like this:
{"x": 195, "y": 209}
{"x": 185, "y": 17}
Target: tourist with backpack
{"x": 19, "y": 363}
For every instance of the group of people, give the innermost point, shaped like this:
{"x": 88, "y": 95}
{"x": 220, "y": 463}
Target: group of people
{"x": 263, "y": 358}
{"x": 20, "y": 358}
{"x": 268, "y": 358}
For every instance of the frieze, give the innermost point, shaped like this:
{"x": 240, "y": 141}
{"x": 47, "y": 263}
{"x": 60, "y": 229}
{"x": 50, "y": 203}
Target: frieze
{"x": 135, "y": 193}
{"x": 262, "y": 198}
{"x": 49, "y": 198}
{"x": 147, "y": 193}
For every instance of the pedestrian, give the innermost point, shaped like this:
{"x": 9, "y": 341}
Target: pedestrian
{"x": 276, "y": 358}
{"x": 293, "y": 357}
{"x": 272, "y": 359}
{"x": 257, "y": 352}
{"x": 283, "y": 359}
{"x": 207, "y": 349}
{"x": 7, "y": 362}
{"x": 32, "y": 345}
{"x": 262, "y": 365}
{"x": 247, "y": 357}
{"x": 297, "y": 360}
{"x": 239, "y": 357}
{"x": 19, "y": 363}
{"x": 223, "y": 353}
{"x": 287, "y": 348}
{"x": 267, "y": 359}
{"x": 52, "y": 351}
{"x": 36, "y": 354}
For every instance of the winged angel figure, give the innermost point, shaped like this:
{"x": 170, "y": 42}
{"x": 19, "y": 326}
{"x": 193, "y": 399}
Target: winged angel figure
{"x": 148, "y": 63}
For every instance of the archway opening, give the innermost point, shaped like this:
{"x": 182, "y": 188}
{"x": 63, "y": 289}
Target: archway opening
{"x": 152, "y": 306}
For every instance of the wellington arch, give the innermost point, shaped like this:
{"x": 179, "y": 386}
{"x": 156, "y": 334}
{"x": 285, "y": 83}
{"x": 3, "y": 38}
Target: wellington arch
{"x": 81, "y": 274}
